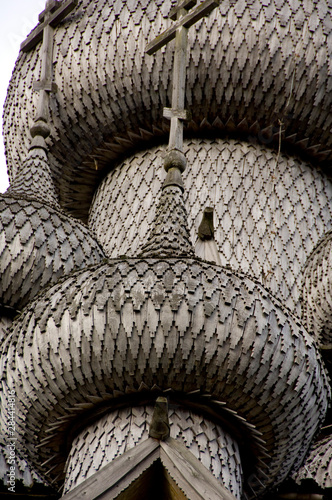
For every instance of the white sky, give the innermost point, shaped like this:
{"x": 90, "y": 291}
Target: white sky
{"x": 17, "y": 19}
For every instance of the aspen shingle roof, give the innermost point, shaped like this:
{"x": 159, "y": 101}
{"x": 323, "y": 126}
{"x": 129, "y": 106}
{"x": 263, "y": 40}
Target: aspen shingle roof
{"x": 177, "y": 323}
{"x": 259, "y": 68}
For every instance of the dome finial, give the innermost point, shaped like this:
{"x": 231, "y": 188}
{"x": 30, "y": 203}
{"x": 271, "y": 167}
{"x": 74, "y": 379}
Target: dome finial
{"x": 34, "y": 179}
{"x": 169, "y": 235}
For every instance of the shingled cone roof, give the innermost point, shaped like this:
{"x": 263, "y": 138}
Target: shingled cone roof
{"x": 34, "y": 180}
{"x": 169, "y": 236}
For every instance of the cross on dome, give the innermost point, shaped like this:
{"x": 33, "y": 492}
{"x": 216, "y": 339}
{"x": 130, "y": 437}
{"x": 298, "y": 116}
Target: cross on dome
{"x": 54, "y": 12}
{"x": 184, "y": 17}
{"x": 51, "y": 16}
{"x": 169, "y": 235}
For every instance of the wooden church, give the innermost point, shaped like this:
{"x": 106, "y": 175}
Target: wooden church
{"x": 166, "y": 253}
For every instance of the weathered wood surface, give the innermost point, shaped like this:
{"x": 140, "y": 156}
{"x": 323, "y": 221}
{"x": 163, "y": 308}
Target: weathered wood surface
{"x": 246, "y": 60}
{"x": 179, "y": 31}
{"x": 54, "y": 13}
{"x": 39, "y": 243}
{"x": 318, "y": 465}
{"x": 133, "y": 324}
{"x": 118, "y": 475}
{"x": 112, "y": 481}
{"x": 269, "y": 211}
{"x": 159, "y": 424}
{"x": 316, "y": 297}
{"x": 186, "y": 21}
{"x": 23, "y": 473}
{"x": 169, "y": 233}
{"x": 256, "y": 69}
{"x": 172, "y": 489}
{"x": 189, "y": 473}
{"x": 106, "y": 440}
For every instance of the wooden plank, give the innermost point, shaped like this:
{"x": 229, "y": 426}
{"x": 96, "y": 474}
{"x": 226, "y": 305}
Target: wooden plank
{"x": 182, "y": 114}
{"x": 191, "y": 476}
{"x": 45, "y": 85}
{"x": 51, "y": 7}
{"x": 119, "y": 474}
{"x": 56, "y": 17}
{"x": 188, "y": 20}
{"x": 172, "y": 489}
{"x": 186, "y": 4}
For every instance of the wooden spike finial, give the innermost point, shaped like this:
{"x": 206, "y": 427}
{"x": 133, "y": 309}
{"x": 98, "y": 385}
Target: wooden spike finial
{"x": 206, "y": 228}
{"x": 159, "y": 427}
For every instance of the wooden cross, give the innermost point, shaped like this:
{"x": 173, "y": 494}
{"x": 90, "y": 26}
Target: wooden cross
{"x": 184, "y": 17}
{"x": 51, "y": 16}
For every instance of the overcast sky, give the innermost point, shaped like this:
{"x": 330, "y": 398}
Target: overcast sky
{"x": 17, "y": 19}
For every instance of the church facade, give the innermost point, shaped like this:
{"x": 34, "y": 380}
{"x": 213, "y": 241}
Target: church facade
{"x": 165, "y": 252}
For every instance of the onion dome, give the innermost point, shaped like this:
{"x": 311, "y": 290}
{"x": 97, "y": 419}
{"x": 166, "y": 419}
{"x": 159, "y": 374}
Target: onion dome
{"x": 103, "y": 338}
{"x": 269, "y": 211}
{"x": 258, "y": 69}
{"x": 316, "y": 292}
{"x": 165, "y": 322}
{"x": 128, "y": 326}
{"x": 39, "y": 242}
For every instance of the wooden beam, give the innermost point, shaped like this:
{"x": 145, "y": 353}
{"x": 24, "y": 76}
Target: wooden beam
{"x": 110, "y": 480}
{"x": 51, "y": 7}
{"x": 182, "y": 114}
{"x": 186, "y": 4}
{"x": 62, "y": 10}
{"x": 187, "y": 20}
{"x": 179, "y": 31}
{"x": 197, "y": 482}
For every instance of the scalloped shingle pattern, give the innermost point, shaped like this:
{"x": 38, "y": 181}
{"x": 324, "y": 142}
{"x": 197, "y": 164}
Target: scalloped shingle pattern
{"x": 182, "y": 324}
{"x": 316, "y": 292}
{"x": 34, "y": 180}
{"x": 169, "y": 233}
{"x": 38, "y": 245}
{"x": 121, "y": 430}
{"x": 269, "y": 212}
{"x": 5, "y": 323}
{"x": 250, "y": 64}
{"x": 23, "y": 473}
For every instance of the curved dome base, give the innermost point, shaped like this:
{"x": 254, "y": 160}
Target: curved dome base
{"x": 180, "y": 324}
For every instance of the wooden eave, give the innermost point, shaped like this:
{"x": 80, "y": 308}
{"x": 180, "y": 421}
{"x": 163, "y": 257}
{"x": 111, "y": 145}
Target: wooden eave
{"x": 180, "y": 476}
